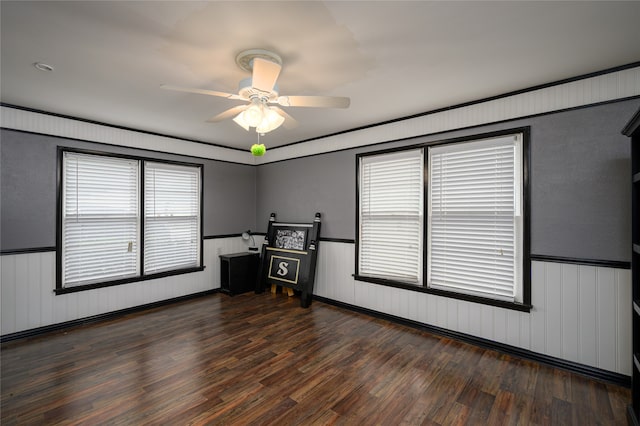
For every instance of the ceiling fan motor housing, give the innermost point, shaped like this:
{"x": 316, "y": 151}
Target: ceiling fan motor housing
{"x": 246, "y": 57}
{"x": 247, "y": 91}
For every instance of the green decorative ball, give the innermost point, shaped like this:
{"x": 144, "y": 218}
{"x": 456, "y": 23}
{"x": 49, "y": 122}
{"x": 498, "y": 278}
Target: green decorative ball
{"x": 258, "y": 150}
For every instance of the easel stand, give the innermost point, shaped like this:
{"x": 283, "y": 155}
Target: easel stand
{"x": 289, "y": 255}
{"x": 274, "y": 290}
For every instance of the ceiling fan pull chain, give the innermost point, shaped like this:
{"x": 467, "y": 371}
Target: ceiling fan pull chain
{"x": 258, "y": 149}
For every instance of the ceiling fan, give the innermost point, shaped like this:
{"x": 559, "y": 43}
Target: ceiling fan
{"x": 260, "y": 90}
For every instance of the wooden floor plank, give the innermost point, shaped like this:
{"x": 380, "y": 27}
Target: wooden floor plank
{"x": 261, "y": 359}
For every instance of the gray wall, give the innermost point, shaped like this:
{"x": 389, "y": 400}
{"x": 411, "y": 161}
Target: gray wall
{"x": 580, "y": 174}
{"x": 580, "y": 178}
{"x": 28, "y": 189}
{"x": 296, "y": 189}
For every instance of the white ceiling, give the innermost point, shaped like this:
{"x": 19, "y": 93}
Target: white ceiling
{"x": 393, "y": 59}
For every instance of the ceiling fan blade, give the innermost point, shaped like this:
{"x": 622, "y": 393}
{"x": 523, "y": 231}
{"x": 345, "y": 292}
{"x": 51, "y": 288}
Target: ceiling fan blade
{"x": 314, "y": 101}
{"x": 289, "y": 121}
{"x": 265, "y": 74}
{"x": 201, "y": 91}
{"x": 228, "y": 113}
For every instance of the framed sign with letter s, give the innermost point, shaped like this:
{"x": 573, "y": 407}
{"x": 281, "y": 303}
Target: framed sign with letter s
{"x": 289, "y": 254}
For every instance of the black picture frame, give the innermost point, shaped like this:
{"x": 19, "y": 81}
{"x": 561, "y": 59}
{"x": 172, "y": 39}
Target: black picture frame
{"x": 290, "y": 237}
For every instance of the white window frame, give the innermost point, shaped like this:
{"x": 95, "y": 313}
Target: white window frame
{"x": 472, "y": 261}
{"x": 383, "y": 217}
{"x": 90, "y": 203}
{"x": 171, "y": 217}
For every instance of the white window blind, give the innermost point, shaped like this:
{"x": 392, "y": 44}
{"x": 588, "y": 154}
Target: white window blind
{"x": 172, "y": 217}
{"x": 475, "y": 219}
{"x": 100, "y": 230}
{"x": 391, "y": 216}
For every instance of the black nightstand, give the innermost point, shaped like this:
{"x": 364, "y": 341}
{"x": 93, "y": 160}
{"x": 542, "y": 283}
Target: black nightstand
{"x": 238, "y": 272}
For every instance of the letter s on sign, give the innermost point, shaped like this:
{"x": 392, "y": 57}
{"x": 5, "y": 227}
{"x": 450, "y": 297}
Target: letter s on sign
{"x": 282, "y": 269}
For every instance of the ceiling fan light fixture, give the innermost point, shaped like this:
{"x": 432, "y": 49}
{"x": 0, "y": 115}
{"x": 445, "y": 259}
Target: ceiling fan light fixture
{"x": 271, "y": 121}
{"x": 254, "y": 115}
{"x": 240, "y": 121}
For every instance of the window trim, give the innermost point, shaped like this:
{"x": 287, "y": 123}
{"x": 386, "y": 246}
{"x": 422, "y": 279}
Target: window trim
{"x": 525, "y": 305}
{"x": 422, "y": 217}
{"x": 157, "y": 165}
{"x": 59, "y": 289}
{"x": 509, "y": 142}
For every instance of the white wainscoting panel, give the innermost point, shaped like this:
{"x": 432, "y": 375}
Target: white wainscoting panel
{"x": 334, "y": 272}
{"x": 586, "y": 91}
{"x": 580, "y": 313}
{"x": 17, "y": 119}
{"x": 27, "y": 281}
{"x": 615, "y": 85}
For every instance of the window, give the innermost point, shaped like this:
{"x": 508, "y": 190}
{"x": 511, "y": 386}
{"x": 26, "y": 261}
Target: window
{"x": 391, "y": 216}
{"x": 171, "y": 217}
{"x": 474, "y": 244}
{"x": 475, "y": 218}
{"x": 118, "y": 226}
{"x": 99, "y": 219}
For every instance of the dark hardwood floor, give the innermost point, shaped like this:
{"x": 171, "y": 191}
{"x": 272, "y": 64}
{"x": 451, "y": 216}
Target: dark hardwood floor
{"x": 261, "y": 359}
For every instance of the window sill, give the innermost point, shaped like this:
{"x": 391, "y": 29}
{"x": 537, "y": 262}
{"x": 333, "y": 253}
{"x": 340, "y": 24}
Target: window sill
{"x": 460, "y": 296}
{"x": 92, "y": 286}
